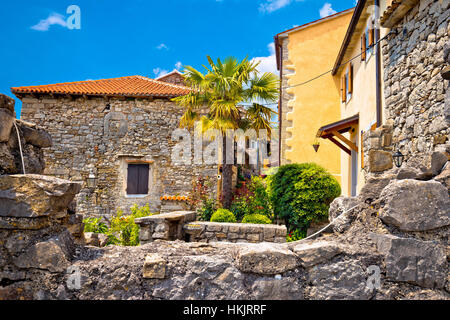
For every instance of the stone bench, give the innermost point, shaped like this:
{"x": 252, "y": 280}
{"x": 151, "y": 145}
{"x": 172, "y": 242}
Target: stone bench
{"x": 234, "y": 232}
{"x": 166, "y": 226}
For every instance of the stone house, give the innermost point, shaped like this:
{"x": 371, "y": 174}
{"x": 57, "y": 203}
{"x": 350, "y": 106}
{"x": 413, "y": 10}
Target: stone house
{"x": 392, "y": 95}
{"x": 175, "y": 77}
{"x": 114, "y": 136}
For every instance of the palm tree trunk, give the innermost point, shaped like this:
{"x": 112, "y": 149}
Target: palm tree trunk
{"x": 227, "y": 178}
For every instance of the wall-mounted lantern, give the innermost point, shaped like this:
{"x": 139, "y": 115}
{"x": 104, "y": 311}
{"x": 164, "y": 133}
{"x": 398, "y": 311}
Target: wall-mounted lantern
{"x": 92, "y": 180}
{"x": 316, "y": 147}
{"x": 398, "y": 158}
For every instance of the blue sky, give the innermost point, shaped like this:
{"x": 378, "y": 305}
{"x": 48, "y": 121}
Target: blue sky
{"x": 140, "y": 37}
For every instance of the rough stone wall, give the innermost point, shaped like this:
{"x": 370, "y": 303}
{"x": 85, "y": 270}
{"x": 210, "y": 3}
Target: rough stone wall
{"x": 235, "y": 232}
{"x": 409, "y": 247}
{"x": 32, "y": 139}
{"x": 174, "y": 78}
{"x": 286, "y": 100}
{"x": 102, "y": 135}
{"x": 414, "y": 88}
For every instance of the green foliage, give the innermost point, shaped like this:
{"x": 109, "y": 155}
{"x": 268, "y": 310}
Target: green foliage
{"x": 240, "y": 208}
{"x": 223, "y": 215}
{"x": 95, "y": 225}
{"x": 301, "y": 194}
{"x": 209, "y": 206}
{"x": 124, "y": 231}
{"x": 296, "y": 235}
{"x": 256, "y": 219}
{"x": 256, "y": 201}
{"x": 259, "y": 199}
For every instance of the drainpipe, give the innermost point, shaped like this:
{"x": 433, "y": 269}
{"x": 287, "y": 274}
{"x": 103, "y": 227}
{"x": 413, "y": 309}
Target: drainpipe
{"x": 378, "y": 64}
{"x": 280, "y": 104}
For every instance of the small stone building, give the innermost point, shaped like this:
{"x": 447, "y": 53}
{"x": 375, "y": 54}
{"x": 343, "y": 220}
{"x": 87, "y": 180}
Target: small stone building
{"x": 114, "y": 136}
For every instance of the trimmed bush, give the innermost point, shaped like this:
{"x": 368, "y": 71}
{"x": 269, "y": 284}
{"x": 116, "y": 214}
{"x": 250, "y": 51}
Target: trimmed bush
{"x": 256, "y": 219}
{"x": 223, "y": 215}
{"x": 302, "y": 194}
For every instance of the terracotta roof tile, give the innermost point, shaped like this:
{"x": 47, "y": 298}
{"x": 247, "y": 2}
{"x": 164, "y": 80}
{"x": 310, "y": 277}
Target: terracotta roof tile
{"x": 133, "y": 86}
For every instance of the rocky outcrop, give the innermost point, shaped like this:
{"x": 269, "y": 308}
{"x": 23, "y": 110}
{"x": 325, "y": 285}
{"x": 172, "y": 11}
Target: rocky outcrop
{"x": 413, "y": 205}
{"x": 32, "y": 138}
{"x": 414, "y": 261}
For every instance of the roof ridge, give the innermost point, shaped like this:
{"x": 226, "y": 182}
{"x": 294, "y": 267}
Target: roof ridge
{"x": 164, "y": 83}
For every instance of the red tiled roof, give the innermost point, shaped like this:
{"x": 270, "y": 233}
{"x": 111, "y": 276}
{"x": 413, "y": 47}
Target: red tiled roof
{"x": 133, "y": 86}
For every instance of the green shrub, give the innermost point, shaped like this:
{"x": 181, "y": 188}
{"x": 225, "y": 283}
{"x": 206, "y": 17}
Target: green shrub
{"x": 240, "y": 208}
{"x": 259, "y": 198}
{"x": 223, "y": 215}
{"x": 256, "y": 201}
{"x": 256, "y": 219}
{"x": 301, "y": 194}
{"x": 124, "y": 231}
{"x": 209, "y": 206}
{"x": 95, "y": 225}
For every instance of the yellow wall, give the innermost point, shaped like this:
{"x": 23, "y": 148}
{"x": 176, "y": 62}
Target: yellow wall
{"x": 312, "y": 51}
{"x": 362, "y": 102}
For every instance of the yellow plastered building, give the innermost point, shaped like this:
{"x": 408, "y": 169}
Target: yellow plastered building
{"x": 303, "y": 53}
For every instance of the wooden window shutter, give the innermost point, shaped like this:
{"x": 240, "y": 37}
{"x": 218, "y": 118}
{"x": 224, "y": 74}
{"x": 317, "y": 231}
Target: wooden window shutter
{"x": 371, "y": 36}
{"x": 137, "y": 179}
{"x": 343, "y": 89}
{"x": 363, "y": 47}
{"x": 362, "y": 150}
{"x": 132, "y": 179}
{"x": 143, "y": 179}
{"x": 350, "y": 78}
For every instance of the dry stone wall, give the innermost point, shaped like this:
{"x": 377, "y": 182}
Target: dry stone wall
{"x": 102, "y": 136}
{"x": 415, "y": 90}
{"x": 235, "y": 232}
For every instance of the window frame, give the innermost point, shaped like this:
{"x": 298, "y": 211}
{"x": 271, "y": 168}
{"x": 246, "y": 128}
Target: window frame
{"x": 138, "y": 182}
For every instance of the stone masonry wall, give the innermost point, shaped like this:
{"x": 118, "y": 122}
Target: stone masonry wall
{"x": 414, "y": 88}
{"x": 235, "y": 232}
{"x": 102, "y": 135}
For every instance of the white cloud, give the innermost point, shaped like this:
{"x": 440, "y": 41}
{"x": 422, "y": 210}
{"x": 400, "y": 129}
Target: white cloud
{"x": 160, "y": 72}
{"x": 326, "y": 10}
{"x": 270, "y": 6}
{"x": 162, "y": 46}
{"x": 178, "y": 65}
{"x": 53, "y": 19}
{"x": 269, "y": 63}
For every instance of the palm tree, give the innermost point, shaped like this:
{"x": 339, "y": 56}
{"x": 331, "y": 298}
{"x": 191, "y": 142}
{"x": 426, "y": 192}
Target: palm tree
{"x": 223, "y": 87}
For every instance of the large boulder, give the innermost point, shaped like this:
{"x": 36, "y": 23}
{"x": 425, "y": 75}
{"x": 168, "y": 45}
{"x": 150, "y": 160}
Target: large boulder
{"x": 371, "y": 191}
{"x": 7, "y": 116}
{"x": 266, "y": 259}
{"x": 313, "y": 253}
{"x": 53, "y": 255}
{"x": 414, "y": 261}
{"x": 36, "y": 136}
{"x": 34, "y": 196}
{"x": 413, "y": 205}
{"x": 342, "y": 280}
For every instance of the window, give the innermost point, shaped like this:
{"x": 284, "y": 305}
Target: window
{"x": 137, "y": 179}
{"x": 347, "y": 84}
{"x": 368, "y": 40}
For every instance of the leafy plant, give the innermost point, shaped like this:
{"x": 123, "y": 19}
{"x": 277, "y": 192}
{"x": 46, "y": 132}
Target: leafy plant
{"x": 224, "y": 86}
{"x": 124, "y": 231}
{"x": 296, "y": 235}
{"x": 240, "y": 208}
{"x": 223, "y": 215}
{"x": 256, "y": 219}
{"x": 254, "y": 201}
{"x": 95, "y": 225}
{"x": 301, "y": 194}
{"x": 207, "y": 210}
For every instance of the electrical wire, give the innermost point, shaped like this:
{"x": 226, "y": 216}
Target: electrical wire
{"x": 342, "y": 64}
